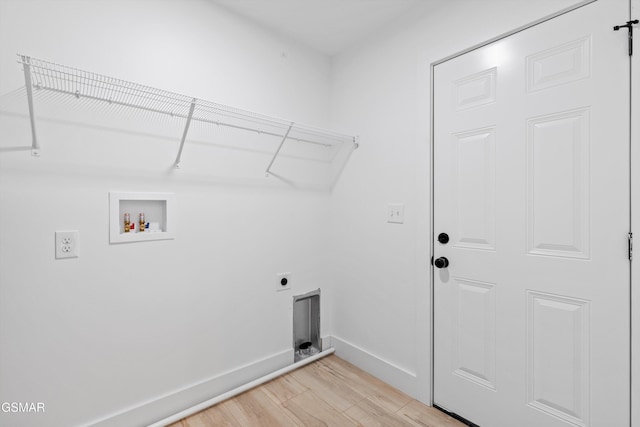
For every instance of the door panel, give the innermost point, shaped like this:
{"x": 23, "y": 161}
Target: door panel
{"x": 531, "y": 182}
{"x": 476, "y": 89}
{"x": 558, "y": 353}
{"x": 559, "y": 65}
{"x": 475, "y": 341}
{"x": 474, "y": 188}
{"x": 558, "y": 184}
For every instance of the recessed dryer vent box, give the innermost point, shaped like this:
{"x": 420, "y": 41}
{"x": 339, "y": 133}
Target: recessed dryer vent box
{"x": 306, "y": 325}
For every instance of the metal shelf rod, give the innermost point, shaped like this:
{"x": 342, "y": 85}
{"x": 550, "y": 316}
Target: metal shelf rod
{"x": 197, "y": 119}
{"x": 109, "y": 101}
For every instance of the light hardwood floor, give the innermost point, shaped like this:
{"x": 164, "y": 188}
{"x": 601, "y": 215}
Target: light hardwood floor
{"x": 328, "y": 392}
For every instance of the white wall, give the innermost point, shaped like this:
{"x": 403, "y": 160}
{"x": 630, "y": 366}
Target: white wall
{"x": 381, "y": 306}
{"x": 146, "y": 329}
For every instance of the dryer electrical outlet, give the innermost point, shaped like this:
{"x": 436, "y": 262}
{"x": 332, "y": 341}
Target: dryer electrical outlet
{"x": 284, "y": 282}
{"x": 67, "y": 244}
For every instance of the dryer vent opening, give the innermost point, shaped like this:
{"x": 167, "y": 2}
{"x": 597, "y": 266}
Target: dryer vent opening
{"x": 306, "y": 325}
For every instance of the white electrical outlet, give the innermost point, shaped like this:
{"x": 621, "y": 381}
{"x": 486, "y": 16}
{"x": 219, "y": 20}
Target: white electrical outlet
{"x": 284, "y": 282}
{"x": 67, "y": 244}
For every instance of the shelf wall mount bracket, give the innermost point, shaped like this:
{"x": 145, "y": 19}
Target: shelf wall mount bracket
{"x": 184, "y": 134}
{"x": 275, "y": 155}
{"x": 35, "y": 147}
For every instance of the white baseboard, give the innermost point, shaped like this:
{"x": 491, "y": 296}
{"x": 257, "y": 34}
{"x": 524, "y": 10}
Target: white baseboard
{"x": 325, "y": 343}
{"x": 396, "y": 376}
{"x": 164, "y": 406}
{"x": 239, "y": 390}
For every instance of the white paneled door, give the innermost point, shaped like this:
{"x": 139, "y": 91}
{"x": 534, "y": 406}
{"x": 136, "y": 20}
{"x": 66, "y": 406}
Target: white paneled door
{"x": 531, "y": 188}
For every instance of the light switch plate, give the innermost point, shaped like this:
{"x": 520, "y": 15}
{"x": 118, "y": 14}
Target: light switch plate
{"x": 395, "y": 213}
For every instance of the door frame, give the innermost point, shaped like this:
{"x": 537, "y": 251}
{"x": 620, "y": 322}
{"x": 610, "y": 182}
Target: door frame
{"x": 634, "y": 103}
{"x": 634, "y": 159}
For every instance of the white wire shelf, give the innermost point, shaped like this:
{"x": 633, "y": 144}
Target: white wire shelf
{"x": 86, "y": 85}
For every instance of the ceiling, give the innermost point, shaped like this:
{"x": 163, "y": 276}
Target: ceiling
{"x": 329, "y": 26}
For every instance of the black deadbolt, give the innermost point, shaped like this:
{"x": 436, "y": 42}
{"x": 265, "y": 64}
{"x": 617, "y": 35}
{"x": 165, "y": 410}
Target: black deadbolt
{"x": 284, "y": 281}
{"x": 441, "y": 262}
{"x": 443, "y": 238}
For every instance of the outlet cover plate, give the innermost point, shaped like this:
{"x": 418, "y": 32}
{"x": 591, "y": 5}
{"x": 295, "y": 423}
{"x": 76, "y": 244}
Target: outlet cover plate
{"x": 67, "y": 244}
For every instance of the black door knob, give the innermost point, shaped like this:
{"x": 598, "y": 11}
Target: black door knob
{"x": 441, "y": 262}
{"x": 443, "y": 238}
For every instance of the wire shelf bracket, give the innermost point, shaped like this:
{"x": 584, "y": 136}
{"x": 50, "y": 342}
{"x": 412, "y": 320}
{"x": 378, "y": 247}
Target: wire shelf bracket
{"x": 35, "y": 148}
{"x": 184, "y": 134}
{"x": 275, "y": 155}
{"x": 61, "y": 79}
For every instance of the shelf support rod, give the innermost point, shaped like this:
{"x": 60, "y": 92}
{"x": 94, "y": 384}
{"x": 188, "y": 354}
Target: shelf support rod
{"x": 35, "y": 148}
{"x": 184, "y": 134}
{"x": 284, "y": 138}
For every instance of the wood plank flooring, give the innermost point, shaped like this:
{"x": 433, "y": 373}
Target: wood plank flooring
{"x": 327, "y": 392}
